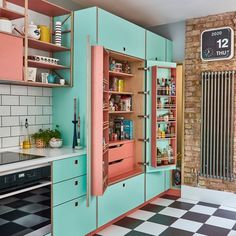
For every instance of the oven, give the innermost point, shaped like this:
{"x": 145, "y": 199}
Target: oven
{"x": 25, "y": 202}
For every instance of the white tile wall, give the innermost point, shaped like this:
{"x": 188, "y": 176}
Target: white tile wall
{"x": 18, "y": 103}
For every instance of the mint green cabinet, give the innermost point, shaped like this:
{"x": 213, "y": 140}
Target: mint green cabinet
{"x": 120, "y": 198}
{"x": 120, "y": 35}
{"x": 68, "y": 190}
{"x": 74, "y": 218}
{"x": 155, "y": 47}
{"x": 169, "y": 50}
{"x": 168, "y": 176}
{"x": 69, "y": 168}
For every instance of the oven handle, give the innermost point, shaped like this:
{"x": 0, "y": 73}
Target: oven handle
{"x": 39, "y": 185}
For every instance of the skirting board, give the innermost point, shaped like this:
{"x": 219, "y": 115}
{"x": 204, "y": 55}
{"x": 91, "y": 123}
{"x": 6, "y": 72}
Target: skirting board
{"x": 208, "y": 195}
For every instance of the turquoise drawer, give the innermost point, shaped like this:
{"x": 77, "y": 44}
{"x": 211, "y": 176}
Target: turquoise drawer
{"x": 69, "y": 168}
{"x": 74, "y": 218}
{"x": 68, "y": 190}
{"x": 120, "y": 198}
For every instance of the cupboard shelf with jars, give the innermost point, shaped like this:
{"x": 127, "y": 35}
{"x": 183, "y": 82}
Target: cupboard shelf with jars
{"x": 164, "y": 117}
{"x": 116, "y": 81}
{"x": 56, "y": 42}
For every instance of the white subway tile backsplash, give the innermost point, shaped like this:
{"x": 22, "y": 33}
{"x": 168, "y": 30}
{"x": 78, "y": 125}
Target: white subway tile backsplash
{"x": 35, "y": 110}
{"x": 42, "y": 120}
{"x": 10, "y": 100}
{"x": 31, "y": 119}
{"x": 10, "y": 120}
{"x": 19, "y": 110}
{"x": 27, "y": 100}
{"x": 40, "y": 101}
{"x": 5, "y": 132}
{"x": 5, "y": 89}
{"x": 35, "y": 128}
{"x": 47, "y": 92}
{"x": 10, "y": 142}
{"x": 47, "y": 126}
{"x": 5, "y": 110}
{"x": 18, "y": 90}
{"x": 47, "y": 110}
{"x": 18, "y": 131}
{"x": 35, "y": 91}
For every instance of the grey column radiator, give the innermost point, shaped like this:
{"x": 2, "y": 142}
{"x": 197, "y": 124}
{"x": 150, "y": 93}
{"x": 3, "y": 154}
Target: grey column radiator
{"x": 217, "y": 125}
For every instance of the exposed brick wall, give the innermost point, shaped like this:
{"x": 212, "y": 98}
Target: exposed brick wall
{"x": 193, "y": 68}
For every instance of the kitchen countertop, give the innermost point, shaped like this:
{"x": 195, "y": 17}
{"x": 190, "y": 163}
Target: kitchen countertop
{"x": 49, "y": 154}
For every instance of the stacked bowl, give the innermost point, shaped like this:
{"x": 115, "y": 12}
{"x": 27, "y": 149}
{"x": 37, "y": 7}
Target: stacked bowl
{"x": 58, "y": 33}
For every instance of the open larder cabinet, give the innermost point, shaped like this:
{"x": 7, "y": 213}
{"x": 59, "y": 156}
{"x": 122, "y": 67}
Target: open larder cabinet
{"x": 162, "y": 127}
{"x": 118, "y": 124}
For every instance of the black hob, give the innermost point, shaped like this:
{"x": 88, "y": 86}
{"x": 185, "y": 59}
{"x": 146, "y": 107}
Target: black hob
{"x": 12, "y": 157}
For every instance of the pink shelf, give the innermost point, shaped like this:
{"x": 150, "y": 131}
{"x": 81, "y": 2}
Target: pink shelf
{"x": 11, "y": 15}
{"x": 120, "y": 142}
{"x": 120, "y": 93}
{"x": 42, "y": 65}
{"x": 50, "y": 47}
{"x": 120, "y": 74}
{"x": 42, "y": 6}
{"x": 120, "y": 112}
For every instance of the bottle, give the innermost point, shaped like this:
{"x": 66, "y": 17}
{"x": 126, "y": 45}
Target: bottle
{"x": 170, "y": 154}
{"x": 167, "y": 90}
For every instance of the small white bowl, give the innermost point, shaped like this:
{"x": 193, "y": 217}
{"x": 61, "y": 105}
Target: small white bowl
{"x": 55, "y": 143}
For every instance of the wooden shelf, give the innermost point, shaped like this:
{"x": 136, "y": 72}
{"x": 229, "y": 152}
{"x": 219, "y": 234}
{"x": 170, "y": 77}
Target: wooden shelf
{"x": 11, "y": 15}
{"x": 167, "y": 138}
{"x": 42, "y": 6}
{"x": 120, "y": 112}
{"x": 121, "y": 93}
{"x": 170, "y": 121}
{"x": 120, "y": 142}
{"x": 43, "y": 65}
{"x": 170, "y": 96}
{"x": 50, "y": 47}
{"x": 120, "y": 74}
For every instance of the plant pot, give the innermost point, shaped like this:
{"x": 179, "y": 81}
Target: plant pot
{"x": 40, "y": 143}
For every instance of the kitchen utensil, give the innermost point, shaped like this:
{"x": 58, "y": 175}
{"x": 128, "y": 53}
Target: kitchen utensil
{"x": 6, "y": 25}
{"x": 45, "y": 34}
{"x": 33, "y": 31}
{"x": 51, "y": 78}
{"x": 44, "y": 77}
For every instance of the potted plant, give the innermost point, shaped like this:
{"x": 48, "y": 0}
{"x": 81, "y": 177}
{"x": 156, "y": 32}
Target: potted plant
{"x": 44, "y": 137}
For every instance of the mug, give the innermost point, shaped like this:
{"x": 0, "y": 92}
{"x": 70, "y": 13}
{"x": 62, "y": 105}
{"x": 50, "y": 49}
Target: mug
{"x": 62, "y": 81}
{"x": 45, "y": 33}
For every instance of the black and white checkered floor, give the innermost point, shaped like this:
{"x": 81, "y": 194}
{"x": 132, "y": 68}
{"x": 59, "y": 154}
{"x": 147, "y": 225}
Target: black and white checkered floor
{"x": 174, "y": 216}
{"x": 26, "y": 213}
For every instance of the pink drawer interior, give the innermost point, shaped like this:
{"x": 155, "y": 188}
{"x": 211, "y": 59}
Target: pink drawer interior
{"x": 120, "y": 167}
{"x": 122, "y": 151}
{"x": 11, "y": 59}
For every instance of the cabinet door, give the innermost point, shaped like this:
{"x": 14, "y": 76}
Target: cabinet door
{"x": 120, "y": 35}
{"x": 120, "y": 198}
{"x": 168, "y": 182}
{"x": 155, "y": 47}
{"x": 169, "y": 50}
{"x": 74, "y": 218}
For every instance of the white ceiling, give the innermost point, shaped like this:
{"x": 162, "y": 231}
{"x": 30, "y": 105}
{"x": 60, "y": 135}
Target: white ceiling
{"x": 157, "y": 12}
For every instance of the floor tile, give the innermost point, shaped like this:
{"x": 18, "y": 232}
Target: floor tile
{"x": 163, "y": 219}
{"x": 234, "y": 228}
{"x": 24, "y": 232}
{"x": 225, "y": 214}
{"x": 198, "y": 217}
{"x": 30, "y": 220}
{"x": 187, "y": 200}
{"x": 25, "y": 195}
{"x": 208, "y": 204}
{"x": 151, "y": 228}
{"x": 187, "y": 225}
{"x": 169, "y": 211}
{"x": 13, "y": 215}
{"x": 114, "y": 230}
{"x": 41, "y": 225}
{"x": 176, "y": 232}
{"x": 232, "y": 233}
{"x": 33, "y": 207}
{"x": 136, "y": 233}
{"x": 182, "y": 205}
{"x": 5, "y": 209}
{"x": 197, "y": 234}
{"x": 203, "y": 209}
{"x": 36, "y": 198}
{"x": 17, "y": 204}
{"x": 221, "y": 222}
{"x": 228, "y": 208}
{"x": 8, "y": 200}
{"x": 2, "y": 221}
{"x": 162, "y": 202}
{"x": 142, "y": 215}
{"x": 45, "y": 213}
{"x": 210, "y": 230}
{"x": 11, "y": 228}
{"x": 129, "y": 223}
{"x": 171, "y": 197}
{"x": 152, "y": 208}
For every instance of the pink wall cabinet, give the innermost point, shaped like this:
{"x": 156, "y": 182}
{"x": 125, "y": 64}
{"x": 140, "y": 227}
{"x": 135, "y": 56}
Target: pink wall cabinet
{"x": 164, "y": 117}
{"x": 11, "y": 57}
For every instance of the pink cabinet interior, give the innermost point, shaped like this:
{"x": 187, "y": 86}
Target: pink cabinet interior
{"x": 11, "y": 57}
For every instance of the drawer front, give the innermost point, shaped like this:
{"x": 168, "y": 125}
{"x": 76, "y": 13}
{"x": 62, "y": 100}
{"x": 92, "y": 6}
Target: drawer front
{"x": 120, "y": 167}
{"x": 69, "y": 168}
{"x": 118, "y": 152}
{"x": 155, "y": 184}
{"x": 120, "y": 35}
{"x": 74, "y": 218}
{"x": 120, "y": 198}
{"x": 69, "y": 190}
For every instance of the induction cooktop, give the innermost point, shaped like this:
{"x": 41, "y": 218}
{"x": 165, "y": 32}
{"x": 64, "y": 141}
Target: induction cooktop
{"x": 12, "y": 157}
